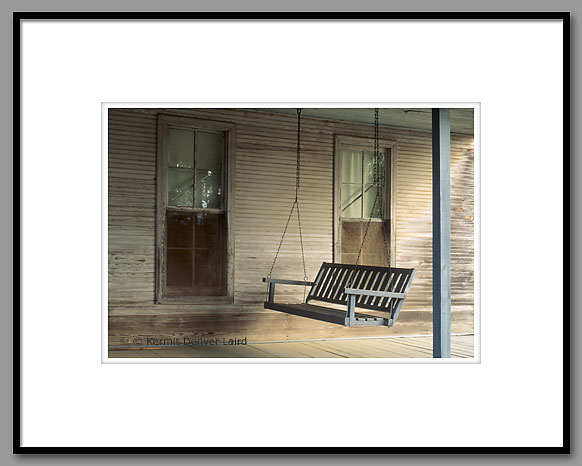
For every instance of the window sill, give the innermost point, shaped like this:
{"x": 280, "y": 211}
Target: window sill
{"x": 216, "y": 300}
{"x": 353, "y": 219}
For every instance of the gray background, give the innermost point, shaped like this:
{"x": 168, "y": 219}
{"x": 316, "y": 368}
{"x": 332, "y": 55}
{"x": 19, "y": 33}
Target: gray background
{"x": 6, "y": 199}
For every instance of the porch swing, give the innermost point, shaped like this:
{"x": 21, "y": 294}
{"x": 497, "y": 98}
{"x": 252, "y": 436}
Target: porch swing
{"x": 378, "y": 289}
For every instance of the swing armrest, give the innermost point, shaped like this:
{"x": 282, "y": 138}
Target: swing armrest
{"x": 287, "y": 282}
{"x": 382, "y": 294}
{"x": 273, "y": 281}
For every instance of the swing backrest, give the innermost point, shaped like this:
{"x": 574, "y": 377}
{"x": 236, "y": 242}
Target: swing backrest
{"x": 333, "y": 279}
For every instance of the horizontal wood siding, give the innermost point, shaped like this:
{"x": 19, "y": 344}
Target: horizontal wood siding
{"x": 414, "y": 219}
{"x": 264, "y": 192}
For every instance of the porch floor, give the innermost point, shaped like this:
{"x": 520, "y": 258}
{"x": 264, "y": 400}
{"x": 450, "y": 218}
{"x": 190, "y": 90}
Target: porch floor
{"x": 462, "y": 346}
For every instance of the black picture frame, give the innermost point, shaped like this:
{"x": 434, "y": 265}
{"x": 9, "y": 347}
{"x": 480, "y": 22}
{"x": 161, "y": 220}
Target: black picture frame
{"x": 18, "y": 17}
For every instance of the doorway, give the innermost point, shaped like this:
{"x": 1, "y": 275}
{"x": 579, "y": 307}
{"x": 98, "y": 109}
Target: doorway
{"x": 358, "y": 206}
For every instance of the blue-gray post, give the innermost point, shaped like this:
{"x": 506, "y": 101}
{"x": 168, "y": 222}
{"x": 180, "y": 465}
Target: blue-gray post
{"x": 441, "y": 232}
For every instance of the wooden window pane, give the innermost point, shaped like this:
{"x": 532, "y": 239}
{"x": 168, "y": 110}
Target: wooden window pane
{"x": 180, "y": 231}
{"x": 351, "y": 200}
{"x": 208, "y": 230}
{"x": 369, "y": 166}
{"x": 181, "y": 148}
{"x": 351, "y": 166}
{"x": 210, "y": 254}
{"x": 179, "y": 268}
{"x": 369, "y": 199}
{"x": 209, "y": 151}
{"x": 180, "y": 187}
{"x": 208, "y": 272}
{"x": 208, "y": 189}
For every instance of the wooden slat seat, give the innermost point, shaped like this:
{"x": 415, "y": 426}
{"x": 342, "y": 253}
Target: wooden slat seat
{"x": 326, "y": 314}
{"x": 381, "y": 289}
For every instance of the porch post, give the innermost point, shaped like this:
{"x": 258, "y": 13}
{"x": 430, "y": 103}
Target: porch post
{"x": 441, "y": 232}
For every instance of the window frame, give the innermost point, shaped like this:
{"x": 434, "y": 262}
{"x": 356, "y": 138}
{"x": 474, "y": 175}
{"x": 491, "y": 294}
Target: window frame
{"x": 362, "y": 143}
{"x": 165, "y": 123}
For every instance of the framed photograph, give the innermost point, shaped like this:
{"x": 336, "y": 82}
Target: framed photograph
{"x": 273, "y": 226}
{"x": 274, "y": 217}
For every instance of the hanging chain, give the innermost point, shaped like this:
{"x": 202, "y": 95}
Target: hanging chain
{"x": 297, "y": 177}
{"x": 293, "y": 207}
{"x": 380, "y": 181}
{"x": 282, "y": 238}
{"x": 376, "y": 149}
{"x": 379, "y": 184}
{"x": 297, "y": 182}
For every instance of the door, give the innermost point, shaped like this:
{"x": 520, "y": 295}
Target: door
{"x": 362, "y": 209}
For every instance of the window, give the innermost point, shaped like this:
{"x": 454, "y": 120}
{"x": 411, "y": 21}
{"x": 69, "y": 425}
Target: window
{"x": 357, "y": 212}
{"x": 358, "y": 190}
{"x": 193, "y": 224}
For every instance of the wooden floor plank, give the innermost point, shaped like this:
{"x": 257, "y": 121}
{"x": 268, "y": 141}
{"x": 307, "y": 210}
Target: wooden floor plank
{"x": 426, "y": 343}
{"x": 327, "y": 348}
{"x": 180, "y": 352}
{"x": 321, "y": 352}
{"x": 125, "y": 354}
{"x": 371, "y": 350}
{"x": 389, "y": 347}
{"x": 464, "y": 339}
{"x": 286, "y": 350}
{"x": 349, "y": 349}
{"x": 462, "y": 349}
{"x": 316, "y": 352}
{"x": 468, "y": 353}
{"x": 213, "y": 352}
{"x": 389, "y": 352}
{"x": 461, "y": 344}
{"x": 464, "y": 344}
{"x": 354, "y": 349}
{"x": 149, "y": 353}
{"x": 398, "y": 343}
{"x": 423, "y": 346}
{"x": 396, "y": 349}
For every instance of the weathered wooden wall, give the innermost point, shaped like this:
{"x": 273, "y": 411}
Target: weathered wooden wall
{"x": 264, "y": 191}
